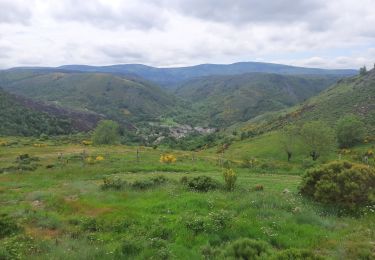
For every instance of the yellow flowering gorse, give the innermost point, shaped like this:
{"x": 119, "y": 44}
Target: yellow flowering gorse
{"x": 168, "y": 158}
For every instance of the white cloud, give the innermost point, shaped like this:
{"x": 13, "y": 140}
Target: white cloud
{"x": 337, "y": 33}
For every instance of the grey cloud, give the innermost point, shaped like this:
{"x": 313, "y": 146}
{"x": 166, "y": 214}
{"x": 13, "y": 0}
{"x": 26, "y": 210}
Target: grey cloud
{"x": 12, "y": 12}
{"x": 122, "y": 54}
{"x": 5, "y": 52}
{"x": 131, "y": 16}
{"x": 244, "y": 11}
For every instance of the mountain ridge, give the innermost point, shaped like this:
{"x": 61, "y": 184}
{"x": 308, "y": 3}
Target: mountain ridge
{"x": 170, "y": 77}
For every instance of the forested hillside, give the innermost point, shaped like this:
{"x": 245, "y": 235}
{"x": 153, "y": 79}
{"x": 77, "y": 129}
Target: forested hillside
{"x": 17, "y": 119}
{"x": 224, "y": 100}
{"x": 121, "y": 99}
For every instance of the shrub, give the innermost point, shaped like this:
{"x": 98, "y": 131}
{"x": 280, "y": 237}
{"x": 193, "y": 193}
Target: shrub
{"x": 249, "y": 162}
{"x": 318, "y": 139}
{"x": 184, "y": 180}
{"x": 17, "y": 247}
{"x": 230, "y": 178}
{"x": 245, "y": 248}
{"x": 129, "y": 248}
{"x": 86, "y": 142}
{"x": 307, "y": 164}
{"x": 197, "y": 224}
{"x": 25, "y": 162}
{"x": 8, "y": 226}
{"x": 202, "y": 184}
{"x": 113, "y": 184}
{"x": 160, "y": 179}
{"x": 168, "y": 158}
{"x": 350, "y": 131}
{"x": 90, "y": 224}
{"x": 99, "y": 158}
{"x": 107, "y": 132}
{"x": 210, "y": 252}
{"x": 342, "y": 183}
{"x": 148, "y": 183}
{"x": 296, "y": 254}
{"x": 213, "y": 222}
{"x": 369, "y": 153}
{"x": 220, "y": 219}
{"x": 142, "y": 184}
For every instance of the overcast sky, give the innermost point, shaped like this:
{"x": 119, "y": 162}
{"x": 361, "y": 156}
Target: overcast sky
{"x": 313, "y": 33}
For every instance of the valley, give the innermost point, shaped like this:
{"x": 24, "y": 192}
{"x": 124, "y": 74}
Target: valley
{"x": 214, "y": 162}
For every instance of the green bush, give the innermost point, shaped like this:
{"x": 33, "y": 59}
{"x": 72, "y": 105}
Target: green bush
{"x": 296, "y": 254}
{"x": 307, "y": 164}
{"x": 90, "y": 224}
{"x": 25, "y": 162}
{"x": 215, "y": 221}
{"x": 17, "y": 247}
{"x": 202, "y": 184}
{"x": 160, "y": 179}
{"x": 245, "y": 248}
{"x": 149, "y": 183}
{"x": 107, "y": 132}
{"x": 128, "y": 248}
{"x": 113, "y": 184}
{"x": 230, "y": 178}
{"x": 219, "y": 219}
{"x": 197, "y": 224}
{"x": 350, "y": 131}
{"x": 8, "y": 226}
{"x": 142, "y": 184}
{"x": 341, "y": 183}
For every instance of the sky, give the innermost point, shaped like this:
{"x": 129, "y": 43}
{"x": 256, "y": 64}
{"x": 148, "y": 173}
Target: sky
{"x": 169, "y": 33}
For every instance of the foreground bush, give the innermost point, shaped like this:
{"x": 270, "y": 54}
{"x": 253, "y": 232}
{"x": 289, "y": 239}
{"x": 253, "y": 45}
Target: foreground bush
{"x": 149, "y": 183}
{"x": 202, "y": 184}
{"x": 107, "y": 132}
{"x": 246, "y": 248}
{"x": 118, "y": 184}
{"x": 296, "y": 254}
{"x": 350, "y": 131}
{"x": 8, "y": 226}
{"x": 230, "y": 178}
{"x": 342, "y": 183}
{"x": 113, "y": 184}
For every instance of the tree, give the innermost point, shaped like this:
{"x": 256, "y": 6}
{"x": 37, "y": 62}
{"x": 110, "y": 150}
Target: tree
{"x": 289, "y": 139}
{"x": 363, "y": 70}
{"x": 318, "y": 138}
{"x": 350, "y": 131}
{"x": 107, "y": 132}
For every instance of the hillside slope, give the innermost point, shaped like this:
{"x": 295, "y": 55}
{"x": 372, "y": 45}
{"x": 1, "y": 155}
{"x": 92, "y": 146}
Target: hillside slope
{"x": 115, "y": 97}
{"x": 354, "y": 95}
{"x": 21, "y": 116}
{"x": 225, "y": 100}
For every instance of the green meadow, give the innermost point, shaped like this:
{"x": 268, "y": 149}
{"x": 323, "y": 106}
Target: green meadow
{"x": 107, "y": 202}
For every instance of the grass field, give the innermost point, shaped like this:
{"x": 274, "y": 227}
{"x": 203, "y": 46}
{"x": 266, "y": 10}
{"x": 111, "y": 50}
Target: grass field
{"x": 63, "y": 213}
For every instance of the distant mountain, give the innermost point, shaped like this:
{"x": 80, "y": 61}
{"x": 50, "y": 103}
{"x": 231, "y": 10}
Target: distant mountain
{"x": 119, "y": 98}
{"x": 172, "y": 77}
{"x": 224, "y": 100}
{"x": 21, "y": 116}
{"x": 355, "y": 95}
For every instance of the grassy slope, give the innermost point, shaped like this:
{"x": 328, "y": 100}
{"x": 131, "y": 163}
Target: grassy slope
{"x": 113, "y": 96}
{"x": 53, "y": 205}
{"x": 229, "y": 99}
{"x": 349, "y": 96}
